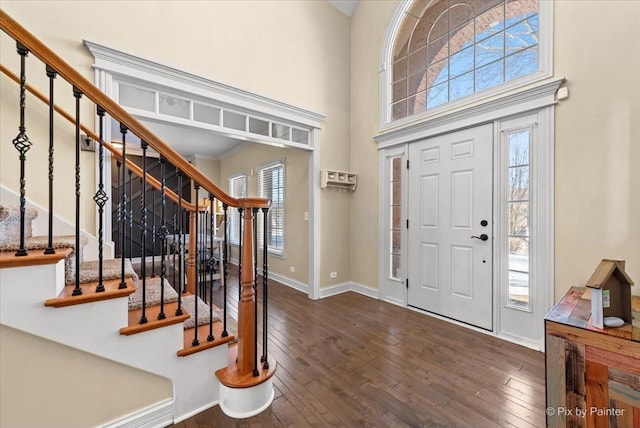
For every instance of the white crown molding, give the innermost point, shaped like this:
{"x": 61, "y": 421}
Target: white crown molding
{"x": 130, "y": 66}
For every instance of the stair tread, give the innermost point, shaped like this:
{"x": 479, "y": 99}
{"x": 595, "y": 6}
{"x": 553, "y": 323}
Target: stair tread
{"x": 36, "y": 257}
{"x": 230, "y": 376}
{"x": 153, "y": 322}
{"x": 41, "y": 242}
{"x": 203, "y": 333}
{"x": 89, "y": 294}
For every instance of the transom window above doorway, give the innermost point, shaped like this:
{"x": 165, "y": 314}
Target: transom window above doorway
{"x": 172, "y": 107}
{"x": 447, "y": 50}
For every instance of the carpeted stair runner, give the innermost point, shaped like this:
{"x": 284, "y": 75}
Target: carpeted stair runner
{"x": 111, "y": 269}
{"x": 10, "y": 237}
{"x": 152, "y": 294}
{"x": 10, "y": 224}
{"x": 188, "y": 304}
{"x": 170, "y": 295}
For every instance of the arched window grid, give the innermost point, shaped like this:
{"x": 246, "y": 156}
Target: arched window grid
{"x": 465, "y": 50}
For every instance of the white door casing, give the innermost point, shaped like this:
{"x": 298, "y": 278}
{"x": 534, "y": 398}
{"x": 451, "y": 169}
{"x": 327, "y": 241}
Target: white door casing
{"x": 450, "y": 198}
{"x": 538, "y": 102}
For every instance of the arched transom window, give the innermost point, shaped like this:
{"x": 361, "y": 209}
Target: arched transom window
{"x": 449, "y": 49}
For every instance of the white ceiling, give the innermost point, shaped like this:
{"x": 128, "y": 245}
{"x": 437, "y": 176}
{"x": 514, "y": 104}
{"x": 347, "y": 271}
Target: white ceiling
{"x": 186, "y": 140}
{"x": 190, "y": 141}
{"x": 348, "y": 7}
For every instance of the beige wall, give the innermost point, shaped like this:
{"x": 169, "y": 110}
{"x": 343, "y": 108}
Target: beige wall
{"x": 296, "y": 199}
{"x": 367, "y": 31}
{"x": 597, "y": 138}
{"x": 69, "y": 388}
{"x": 209, "y": 167}
{"x": 294, "y": 51}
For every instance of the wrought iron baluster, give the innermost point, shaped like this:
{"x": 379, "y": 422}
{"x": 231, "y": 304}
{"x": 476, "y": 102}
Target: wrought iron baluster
{"x": 78, "y": 95}
{"x": 203, "y": 254}
{"x": 115, "y": 235}
{"x": 174, "y": 232}
{"x": 100, "y": 199}
{"x": 224, "y": 259}
{"x": 265, "y": 270}
{"x": 195, "y": 341}
{"x": 163, "y": 233}
{"x": 255, "y": 289}
{"x": 211, "y": 266}
{"x": 51, "y": 74}
{"x": 131, "y": 195}
{"x": 183, "y": 239}
{"x": 153, "y": 232}
{"x": 240, "y": 254}
{"x": 180, "y": 248}
{"x": 123, "y": 214}
{"x": 22, "y": 144}
{"x": 143, "y": 232}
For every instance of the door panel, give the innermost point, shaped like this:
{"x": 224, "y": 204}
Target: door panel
{"x": 450, "y": 193}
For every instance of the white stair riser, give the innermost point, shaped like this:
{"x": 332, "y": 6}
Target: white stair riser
{"x": 29, "y": 286}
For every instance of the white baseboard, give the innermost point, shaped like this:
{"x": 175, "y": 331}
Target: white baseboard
{"x": 156, "y": 416}
{"x": 374, "y": 293}
{"x": 349, "y": 286}
{"x": 297, "y": 285}
{"x": 332, "y": 290}
{"x": 521, "y": 341}
{"x": 195, "y": 412}
{"x": 395, "y": 301}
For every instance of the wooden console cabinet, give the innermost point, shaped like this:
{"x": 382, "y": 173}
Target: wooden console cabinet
{"x": 593, "y": 375}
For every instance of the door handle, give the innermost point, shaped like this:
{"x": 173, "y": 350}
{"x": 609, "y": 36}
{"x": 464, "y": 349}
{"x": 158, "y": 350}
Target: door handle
{"x": 483, "y": 237}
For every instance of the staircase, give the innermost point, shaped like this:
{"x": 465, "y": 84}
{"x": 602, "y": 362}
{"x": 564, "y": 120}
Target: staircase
{"x": 71, "y": 290}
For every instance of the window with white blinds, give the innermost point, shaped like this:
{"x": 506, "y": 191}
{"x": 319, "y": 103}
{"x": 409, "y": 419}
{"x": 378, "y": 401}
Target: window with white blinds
{"x": 237, "y": 189}
{"x": 271, "y": 186}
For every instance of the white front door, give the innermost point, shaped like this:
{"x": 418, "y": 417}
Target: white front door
{"x": 450, "y": 225}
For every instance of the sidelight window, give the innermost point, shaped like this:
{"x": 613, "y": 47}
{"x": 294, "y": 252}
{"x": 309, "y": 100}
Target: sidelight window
{"x": 395, "y": 217}
{"x": 518, "y": 206}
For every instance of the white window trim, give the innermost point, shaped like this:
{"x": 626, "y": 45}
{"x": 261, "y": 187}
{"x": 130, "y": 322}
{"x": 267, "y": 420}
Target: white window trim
{"x": 279, "y": 252}
{"x": 392, "y": 290}
{"x": 545, "y": 55}
{"x": 233, "y": 211}
{"x": 541, "y": 221}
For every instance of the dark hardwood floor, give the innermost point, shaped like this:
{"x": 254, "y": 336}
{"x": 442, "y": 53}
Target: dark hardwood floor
{"x": 349, "y": 360}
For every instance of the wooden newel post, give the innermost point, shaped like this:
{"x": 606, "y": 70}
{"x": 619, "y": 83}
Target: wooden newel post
{"x": 191, "y": 263}
{"x": 247, "y": 303}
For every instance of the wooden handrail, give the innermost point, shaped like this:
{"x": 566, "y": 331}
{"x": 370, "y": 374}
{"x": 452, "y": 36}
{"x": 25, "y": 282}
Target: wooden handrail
{"x": 115, "y": 153}
{"x": 46, "y": 55}
{"x": 247, "y": 326}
